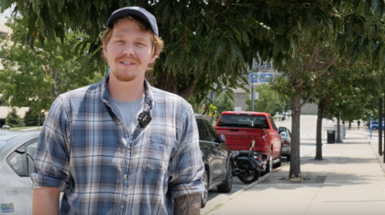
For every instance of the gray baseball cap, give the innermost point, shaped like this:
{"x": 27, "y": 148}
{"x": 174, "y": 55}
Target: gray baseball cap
{"x": 137, "y": 13}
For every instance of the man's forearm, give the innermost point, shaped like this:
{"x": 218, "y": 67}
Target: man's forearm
{"x": 187, "y": 204}
{"x": 45, "y": 201}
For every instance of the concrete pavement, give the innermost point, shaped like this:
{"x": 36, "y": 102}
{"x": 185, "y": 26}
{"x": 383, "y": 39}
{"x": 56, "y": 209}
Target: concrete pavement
{"x": 349, "y": 180}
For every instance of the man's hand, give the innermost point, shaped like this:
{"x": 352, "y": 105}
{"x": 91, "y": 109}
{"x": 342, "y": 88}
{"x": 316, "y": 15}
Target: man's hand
{"x": 187, "y": 204}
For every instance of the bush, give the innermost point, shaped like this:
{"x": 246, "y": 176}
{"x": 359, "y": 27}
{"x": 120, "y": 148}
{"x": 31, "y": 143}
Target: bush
{"x": 33, "y": 120}
{"x": 13, "y": 119}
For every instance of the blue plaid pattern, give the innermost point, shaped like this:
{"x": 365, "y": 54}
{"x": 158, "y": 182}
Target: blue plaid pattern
{"x": 86, "y": 151}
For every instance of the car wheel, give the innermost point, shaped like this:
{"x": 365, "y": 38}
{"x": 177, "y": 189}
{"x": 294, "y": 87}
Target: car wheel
{"x": 228, "y": 183}
{"x": 374, "y": 128}
{"x": 205, "y": 194}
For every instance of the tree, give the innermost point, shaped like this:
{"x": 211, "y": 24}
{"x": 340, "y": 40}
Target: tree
{"x": 269, "y": 101}
{"x": 33, "y": 120}
{"x": 13, "y": 119}
{"x": 35, "y": 76}
{"x": 209, "y": 42}
{"x": 224, "y": 102}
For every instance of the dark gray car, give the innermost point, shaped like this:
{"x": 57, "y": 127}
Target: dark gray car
{"x": 217, "y": 159}
{"x": 286, "y": 142}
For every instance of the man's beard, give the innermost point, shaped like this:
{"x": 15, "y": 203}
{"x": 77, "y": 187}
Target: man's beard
{"x": 124, "y": 77}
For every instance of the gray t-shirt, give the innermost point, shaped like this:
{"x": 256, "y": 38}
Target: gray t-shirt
{"x": 128, "y": 112}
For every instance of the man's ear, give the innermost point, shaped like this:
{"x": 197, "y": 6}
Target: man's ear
{"x": 104, "y": 50}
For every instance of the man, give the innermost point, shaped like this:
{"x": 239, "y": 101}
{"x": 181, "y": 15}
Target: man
{"x": 120, "y": 146}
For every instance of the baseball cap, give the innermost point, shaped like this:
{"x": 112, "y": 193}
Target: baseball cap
{"x": 136, "y": 12}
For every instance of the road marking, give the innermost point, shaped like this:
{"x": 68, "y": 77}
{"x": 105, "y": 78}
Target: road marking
{"x": 308, "y": 124}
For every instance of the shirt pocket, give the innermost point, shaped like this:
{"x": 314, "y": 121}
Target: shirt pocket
{"x": 158, "y": 152}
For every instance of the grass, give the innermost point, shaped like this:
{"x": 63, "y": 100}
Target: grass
{"x": 29, "y": 128}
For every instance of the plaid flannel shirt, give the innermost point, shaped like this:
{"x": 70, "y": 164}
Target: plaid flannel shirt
{"x": 86, "y": 151}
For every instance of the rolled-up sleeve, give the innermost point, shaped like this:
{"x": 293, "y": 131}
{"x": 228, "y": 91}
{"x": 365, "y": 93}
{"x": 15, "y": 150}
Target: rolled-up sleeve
{"x": 51, "y": 168}
{"x": 186, "y": 166}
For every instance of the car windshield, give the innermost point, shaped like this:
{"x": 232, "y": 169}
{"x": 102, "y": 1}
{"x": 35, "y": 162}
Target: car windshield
{"x": 243, "y": 121}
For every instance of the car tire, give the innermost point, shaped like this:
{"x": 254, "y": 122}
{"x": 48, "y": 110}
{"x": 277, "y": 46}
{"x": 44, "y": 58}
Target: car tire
{"x": 227, "y": 185}
{"x": 374, "y": 128}
{"x": 280, "y": 160}
{"x": 205, "y": 194}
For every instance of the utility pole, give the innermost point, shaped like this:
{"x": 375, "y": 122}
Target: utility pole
{"x": 380, "y": 126}
{"x": 252, "y": 92}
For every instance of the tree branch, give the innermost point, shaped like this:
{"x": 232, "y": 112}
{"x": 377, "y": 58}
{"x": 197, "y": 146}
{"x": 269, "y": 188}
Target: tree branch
{"x": 306, "y": 100}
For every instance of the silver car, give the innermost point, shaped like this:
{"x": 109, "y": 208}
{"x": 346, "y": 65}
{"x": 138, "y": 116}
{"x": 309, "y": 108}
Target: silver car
{"x": 17, "y": 151}
{"x": 286, "y": 142}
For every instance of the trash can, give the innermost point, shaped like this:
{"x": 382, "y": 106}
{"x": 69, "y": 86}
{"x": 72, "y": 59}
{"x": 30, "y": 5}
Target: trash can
{"x": 331, "y": 136}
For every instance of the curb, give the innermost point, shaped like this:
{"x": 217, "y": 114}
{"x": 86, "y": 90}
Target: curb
{"x": 221, "y": 199}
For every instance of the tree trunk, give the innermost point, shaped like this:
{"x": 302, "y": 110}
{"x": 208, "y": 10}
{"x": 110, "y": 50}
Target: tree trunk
{"x": 321, "y": 108}
{"x": 166, "y": 81}
{"x": 338, "y": 129}
{"x": 295, "y": 164}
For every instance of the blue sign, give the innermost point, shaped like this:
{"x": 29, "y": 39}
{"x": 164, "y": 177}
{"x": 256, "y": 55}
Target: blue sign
{"x": 266, "y": 77}
{"x": 253, "y": 77}
{"x": 7, "y": 208}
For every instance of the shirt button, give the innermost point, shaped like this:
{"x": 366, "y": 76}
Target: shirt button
{"x": 128, "y": 147}
{"x": 125, "y": 176}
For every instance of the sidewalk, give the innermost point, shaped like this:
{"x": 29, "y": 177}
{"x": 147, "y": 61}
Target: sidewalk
{"x": 350, "y": 180}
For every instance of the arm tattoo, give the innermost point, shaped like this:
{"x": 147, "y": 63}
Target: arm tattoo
{"x": 187, "y": 204}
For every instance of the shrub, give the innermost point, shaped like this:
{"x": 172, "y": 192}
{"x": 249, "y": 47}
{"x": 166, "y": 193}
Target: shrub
{"x": 13, "y": 119}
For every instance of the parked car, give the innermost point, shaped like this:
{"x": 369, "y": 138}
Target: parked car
{"x": 17, "y": 151}
{"x": 286, "y": 142}
{"x": 241, "y": 127}
{"x": 376, "y": 125}
{"x": 374, "y": 121}
{"x": 217, "y": 158}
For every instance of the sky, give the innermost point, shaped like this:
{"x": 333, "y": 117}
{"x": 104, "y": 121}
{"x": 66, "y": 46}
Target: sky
{"x": 6, "y": 13}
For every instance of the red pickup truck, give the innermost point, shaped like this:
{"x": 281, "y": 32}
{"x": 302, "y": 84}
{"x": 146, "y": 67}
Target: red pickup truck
{"x": 240, "y": 127}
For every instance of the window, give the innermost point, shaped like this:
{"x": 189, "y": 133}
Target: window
{"x": 22, "y": 159}
{"x": 268, "y": 66}
{"x": 203, "y": 132}
{"x": 272, "y": 123}
{"x": 243, "y": 121}
{"x": 213, "y": 133}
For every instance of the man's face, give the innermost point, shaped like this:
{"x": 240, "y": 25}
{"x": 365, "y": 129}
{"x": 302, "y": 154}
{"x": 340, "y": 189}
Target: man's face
{"x": 129, "y": 50}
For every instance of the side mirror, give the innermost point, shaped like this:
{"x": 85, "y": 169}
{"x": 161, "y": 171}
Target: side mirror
{"x": 223, "y": 139}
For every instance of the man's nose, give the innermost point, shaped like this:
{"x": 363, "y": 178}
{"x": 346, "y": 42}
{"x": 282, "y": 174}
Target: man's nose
{"x": 129, "y": 49}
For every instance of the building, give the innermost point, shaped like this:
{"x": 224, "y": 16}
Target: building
{"x": 5, "y": 32}
{"x": 262, "y": 72}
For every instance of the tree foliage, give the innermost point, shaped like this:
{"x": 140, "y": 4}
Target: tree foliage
{"x": 31, "y": 119}
{"x": 224, "y": 102}
{"x": 269, "y": 101}
{"x": 35, "y": 76}
{"x": 13, "y": 119}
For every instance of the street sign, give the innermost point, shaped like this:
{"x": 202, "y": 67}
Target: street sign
{"x": 256, "y": 96}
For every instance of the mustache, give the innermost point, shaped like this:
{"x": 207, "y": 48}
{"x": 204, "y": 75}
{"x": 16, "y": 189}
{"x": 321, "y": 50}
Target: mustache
{"x": 124, "y": 57}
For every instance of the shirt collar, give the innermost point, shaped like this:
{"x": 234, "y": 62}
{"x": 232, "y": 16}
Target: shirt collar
{"x": 149, "y": 96}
